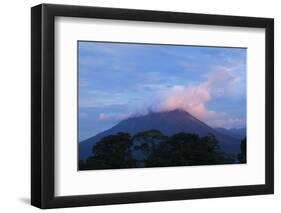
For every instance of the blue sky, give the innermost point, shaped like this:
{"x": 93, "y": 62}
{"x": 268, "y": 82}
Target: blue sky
{"x": 120, "y": 80}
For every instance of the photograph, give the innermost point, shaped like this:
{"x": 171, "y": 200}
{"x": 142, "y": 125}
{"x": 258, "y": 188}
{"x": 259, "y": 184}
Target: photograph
{"x": 144, "y": 105}
{"x": 135, "y": 105}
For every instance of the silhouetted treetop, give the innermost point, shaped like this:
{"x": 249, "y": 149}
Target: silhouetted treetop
{"x": 156, "y": 150}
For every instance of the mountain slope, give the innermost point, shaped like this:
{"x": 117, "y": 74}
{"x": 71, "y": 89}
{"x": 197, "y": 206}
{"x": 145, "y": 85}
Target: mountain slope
{"x": 169, "y": 123}
{"x": 239, "y": 133}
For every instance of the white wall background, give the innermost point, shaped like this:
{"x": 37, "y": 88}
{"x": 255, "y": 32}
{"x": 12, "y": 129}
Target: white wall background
{"x": 15, "y": 105}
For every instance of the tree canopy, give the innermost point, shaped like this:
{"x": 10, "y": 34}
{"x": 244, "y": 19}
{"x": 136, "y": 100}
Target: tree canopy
{"x": 243, "y": 155}
{"x": 157, "y": 150}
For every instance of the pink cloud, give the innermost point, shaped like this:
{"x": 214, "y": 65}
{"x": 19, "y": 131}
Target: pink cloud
{"x": 104, "y": 116}
{"x": 113, "y": 116}
{"x": 193, "y": 99}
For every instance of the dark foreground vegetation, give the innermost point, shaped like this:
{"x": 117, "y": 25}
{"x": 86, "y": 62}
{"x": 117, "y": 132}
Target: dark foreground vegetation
{"x": 153, "y": 149}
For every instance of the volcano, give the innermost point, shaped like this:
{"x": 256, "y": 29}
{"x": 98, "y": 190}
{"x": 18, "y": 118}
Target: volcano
{"x": 169, "y": 123}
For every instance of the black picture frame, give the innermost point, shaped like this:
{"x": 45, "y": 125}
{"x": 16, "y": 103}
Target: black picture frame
{"x": 43, "y": 102}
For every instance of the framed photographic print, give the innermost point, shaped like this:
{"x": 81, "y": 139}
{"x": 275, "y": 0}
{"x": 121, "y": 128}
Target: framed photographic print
{"x": 138, "y": 106}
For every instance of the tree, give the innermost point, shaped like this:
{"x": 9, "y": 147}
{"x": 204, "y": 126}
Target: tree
{"x": 82, "y": 165}
{"x": 111, "y": 152}
{"x": 157, "y": 150}
{"x": 242, "y": 157}
{"x": 147, "y": 141}
{"x": 185, "y": 149}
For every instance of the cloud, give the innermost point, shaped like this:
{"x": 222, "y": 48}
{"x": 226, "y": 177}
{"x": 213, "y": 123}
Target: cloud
{"x": 104, "y": 116}
{"x": 99, "y": 98}
{"x": 191, "y": 98}
{"x": 194, "y": 98}
{"x": 113, "y": 116}
{"x": 222, "y": 82}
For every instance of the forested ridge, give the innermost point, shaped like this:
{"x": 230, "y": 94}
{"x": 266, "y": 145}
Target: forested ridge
{"x": 153, "y": 149}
